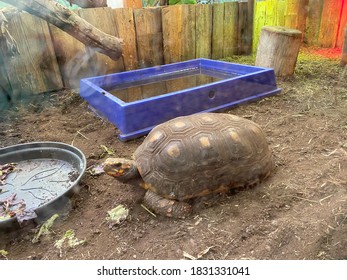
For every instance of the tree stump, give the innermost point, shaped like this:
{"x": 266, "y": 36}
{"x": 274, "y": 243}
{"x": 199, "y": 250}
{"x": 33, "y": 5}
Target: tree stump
{"x": 344, "y": 50}
{"x": 278, "y": 48}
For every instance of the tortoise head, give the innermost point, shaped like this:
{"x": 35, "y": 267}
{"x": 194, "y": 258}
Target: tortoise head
{"x": 120, "y": 168}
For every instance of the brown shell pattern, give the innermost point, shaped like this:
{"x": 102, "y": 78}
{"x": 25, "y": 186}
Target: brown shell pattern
{"x": 203, "y": 153}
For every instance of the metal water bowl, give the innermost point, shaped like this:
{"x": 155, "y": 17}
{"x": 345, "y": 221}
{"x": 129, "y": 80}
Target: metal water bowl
{"x": 45, "y": 175}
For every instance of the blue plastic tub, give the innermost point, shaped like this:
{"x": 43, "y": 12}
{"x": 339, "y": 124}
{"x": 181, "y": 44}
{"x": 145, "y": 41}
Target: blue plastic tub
{"x": 136, "y": 101}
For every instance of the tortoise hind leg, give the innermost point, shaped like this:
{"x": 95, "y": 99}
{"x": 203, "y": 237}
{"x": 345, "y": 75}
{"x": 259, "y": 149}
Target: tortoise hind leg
{"x": 166, "y": 207}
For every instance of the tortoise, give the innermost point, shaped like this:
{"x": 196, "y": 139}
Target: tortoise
{"x": 194, "y": 156}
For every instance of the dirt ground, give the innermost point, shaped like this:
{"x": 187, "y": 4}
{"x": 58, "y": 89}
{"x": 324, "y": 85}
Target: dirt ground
{"x": 300, "y": 212}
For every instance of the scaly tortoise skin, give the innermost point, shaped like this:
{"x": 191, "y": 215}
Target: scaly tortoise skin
{"x": 194, "y": 156}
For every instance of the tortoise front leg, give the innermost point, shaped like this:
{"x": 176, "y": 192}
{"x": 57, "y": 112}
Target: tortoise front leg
{"x": 166, "y": 207}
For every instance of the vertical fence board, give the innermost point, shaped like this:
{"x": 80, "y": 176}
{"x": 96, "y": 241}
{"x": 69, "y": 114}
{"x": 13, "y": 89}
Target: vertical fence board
{"x": 124, "y": 20}
{"x": 296, "y": 14}
{"x": 302, "y": 15}
{"x": 242, "y": 32}
{"x": 35, "y": 69}
{"x": 280, "y": 15}
{"x": 343, "y": 61}
{"x": 149, "y": 36}
{"x": 271, "y": 12}
{"x": 291, "y": 14}
{"x": 259, "y": 21}
{"x": 329, "y": 23}
{"x": 132, "y": 3}
{"x": 72, "y": 57}
{"x": 203, "y": 30}
{"x": 188, "y": 35}
{"x": 313, "y": 21}
{"x": 179, "y": 33}
{"x": 5, "y": 86}
{"x": 172, "y": 30}
{"x": 217, "y": 31}
{"x": 105, "y": 64}
{"x": 249, "y": 28}
{"x": 230, "y": 46}
{"x": 343, "y": 25}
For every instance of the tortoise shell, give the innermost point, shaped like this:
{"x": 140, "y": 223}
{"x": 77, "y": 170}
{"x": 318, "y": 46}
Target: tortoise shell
{"x": 203, "y": 153}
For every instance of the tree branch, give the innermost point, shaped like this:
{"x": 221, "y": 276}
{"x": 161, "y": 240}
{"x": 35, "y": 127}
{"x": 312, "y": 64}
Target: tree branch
{"x": 71, "y": 23}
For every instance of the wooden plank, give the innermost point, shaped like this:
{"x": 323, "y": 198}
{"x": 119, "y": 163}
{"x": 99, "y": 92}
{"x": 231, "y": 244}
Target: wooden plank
{"x": 291, "y": 14}
{"x": 249, "y": 28}
{"x": 132, "y": 4}
{"x": 343, "y": 61}
{"x": 230, "y": 46}
{"x": 203, "y": 31}
{"x": 342, "y": 25}
{"x": 302, "y": 15}
{"x": 217, "y": 31}
{"x": 149, "y": 36}
{"x": 259, "y": 21}
{"x": 6, "y": 93}
{"x": 179, "y": 33}
{"x": 35, "y": 69}
{"x": 124, "y": 20}
{"x": 271, "y": 11}
{"x": 243, "y": 23}
{"x": 313, "y": 21}
{"x": 296, "y": 14}
{"x": 280, "y": 15}
{"x": 105, "y": 65}
{"x": 172, "y": 29}
{"x": 188, "y": 34}
{"x": 329, "y": 23}
{"x": 72, "y": 58}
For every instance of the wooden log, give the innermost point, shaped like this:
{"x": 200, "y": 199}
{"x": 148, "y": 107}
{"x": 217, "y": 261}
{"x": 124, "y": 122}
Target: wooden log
{"x": 344, "y": 50}
{"x": 102, "y": 64}
{"x": 71, "y": 23}
{"x": 278, "y": 48}
{"x": 72, "y": 58}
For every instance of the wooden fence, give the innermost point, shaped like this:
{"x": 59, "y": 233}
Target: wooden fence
{"x": 50, "y": 59}
{"x": 321, "y": 21}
